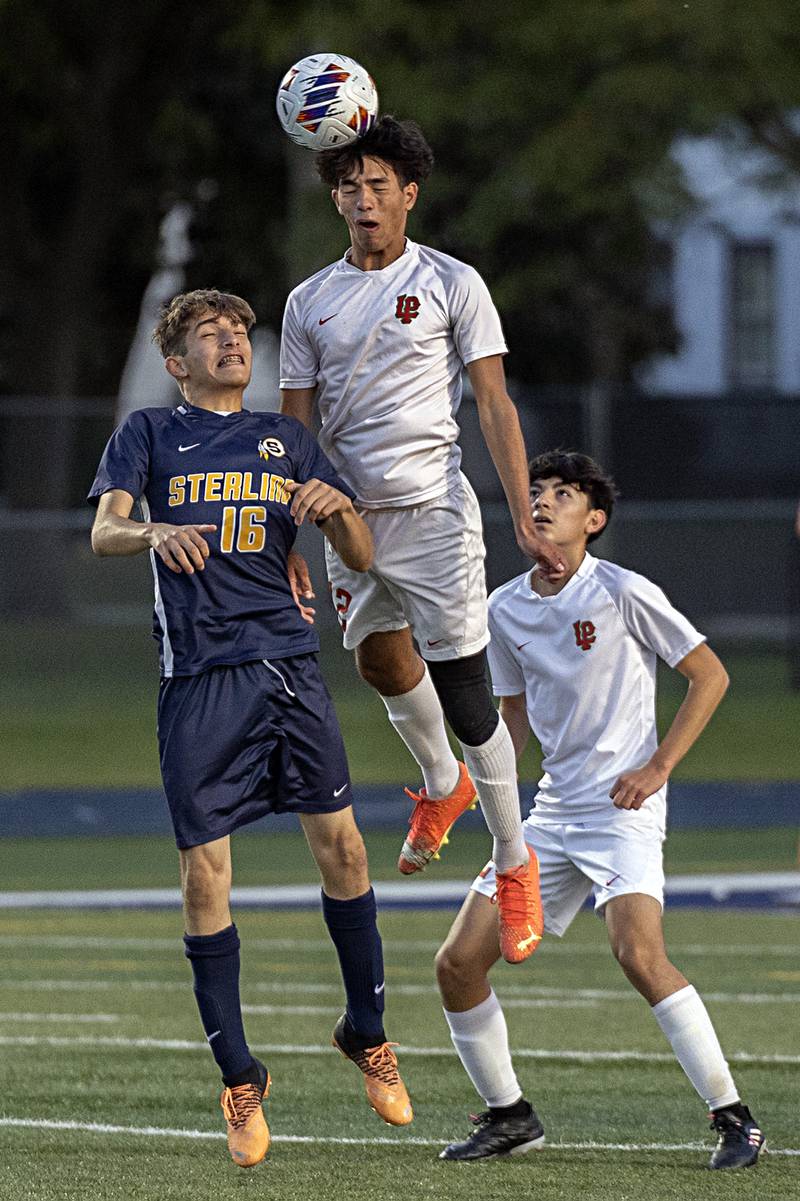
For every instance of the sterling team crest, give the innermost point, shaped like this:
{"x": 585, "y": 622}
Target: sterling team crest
{"x": 271, "y": 446}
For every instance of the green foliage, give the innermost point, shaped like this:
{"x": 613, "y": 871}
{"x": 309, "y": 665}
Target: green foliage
{"x": 550, "y": 123}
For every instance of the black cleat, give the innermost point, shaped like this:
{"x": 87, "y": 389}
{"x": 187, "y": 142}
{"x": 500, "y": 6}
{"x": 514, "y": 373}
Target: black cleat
{"x": 740, "y": 1140}
{"x": 496, "y": 1135}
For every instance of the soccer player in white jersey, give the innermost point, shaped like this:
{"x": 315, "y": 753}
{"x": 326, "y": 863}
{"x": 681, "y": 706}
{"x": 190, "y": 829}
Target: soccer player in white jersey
{"x": 379, "y": 341}
{"x": 575, "y": 660}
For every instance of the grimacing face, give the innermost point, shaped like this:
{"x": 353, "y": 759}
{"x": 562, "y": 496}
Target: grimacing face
{"x": 218, "y": 353}
{"x": 375, "y": 206}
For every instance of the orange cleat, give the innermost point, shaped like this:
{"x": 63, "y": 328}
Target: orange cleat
{"x": 248, "y": 1133}
{"x": 520, "y": 910}
{"x": 386, "y": 1092}
{"x": 431, "y": 822}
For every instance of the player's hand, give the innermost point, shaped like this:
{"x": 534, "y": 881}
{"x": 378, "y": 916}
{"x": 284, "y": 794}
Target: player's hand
{"x": 181, "y": 547}
{"x": 300, "y": 584}
{"x": 634, "y": 787}
{"x": 315, "y": 501}
{"x": 549, "y": 558}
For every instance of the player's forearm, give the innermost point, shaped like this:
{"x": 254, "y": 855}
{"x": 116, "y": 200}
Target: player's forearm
{"x": 702, "y": 699}
{"x": 503, "y": 437}
{"x": 516, "y": 719}
{"x": 350, "y": 537}
{"x": 115, "y": 535}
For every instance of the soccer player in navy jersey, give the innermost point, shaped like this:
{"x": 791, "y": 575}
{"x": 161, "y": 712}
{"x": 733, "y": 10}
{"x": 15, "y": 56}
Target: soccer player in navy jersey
{"x": 245, "y": 723}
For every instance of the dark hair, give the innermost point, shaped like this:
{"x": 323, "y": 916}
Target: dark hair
{"x": 401, "y": 144}
{"x": 583, "y": 473}
{"x": 176, "y": 317}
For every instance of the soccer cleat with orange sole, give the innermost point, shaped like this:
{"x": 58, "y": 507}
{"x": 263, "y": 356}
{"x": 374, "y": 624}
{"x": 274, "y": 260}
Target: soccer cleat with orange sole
{"x": 386, "y": 1092}
{"x": 519, "y": 906}
{"x": 248, "y": 1133}
{"x": 431, "y": 822}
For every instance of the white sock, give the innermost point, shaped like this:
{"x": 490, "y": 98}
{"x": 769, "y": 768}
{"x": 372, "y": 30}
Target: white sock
{"x": 480, "y": 1037}
{"x": 417, "y": 716}
{"x": 684, "y": 1019}
{"x": 493, "y": 768}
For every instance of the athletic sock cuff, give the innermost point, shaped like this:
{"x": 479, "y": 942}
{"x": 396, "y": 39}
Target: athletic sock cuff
{"x": 349, "y": 915}
{"x": 211, "y": 946}
{"x": 688, "y": 993}
{"x": 470, "y": 1020}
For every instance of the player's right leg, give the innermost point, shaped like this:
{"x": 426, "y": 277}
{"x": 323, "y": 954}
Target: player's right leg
{"x": 509, "y": 1125}
{"x": 375, "y": 625}
{"x": 635, "y": 933}
{"x": 212, "y": 947}
{"x": 348, "y": 906}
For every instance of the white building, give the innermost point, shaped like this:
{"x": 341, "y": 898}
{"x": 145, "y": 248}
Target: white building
{"x": 735, "y": 283}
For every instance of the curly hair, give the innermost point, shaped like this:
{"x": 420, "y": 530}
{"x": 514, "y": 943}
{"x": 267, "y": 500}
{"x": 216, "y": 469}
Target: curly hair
{"x": 574, "y": 468}
{"x": 176, "y": 317}
{"x": 400, "y": 144}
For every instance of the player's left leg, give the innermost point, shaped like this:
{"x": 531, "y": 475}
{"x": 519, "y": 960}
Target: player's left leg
{"x": 350, "y": 912}
{"x": 465, "y": 693}
{"x": 477, "y": 1025}
{"x": 212, "y": 946}
{"x": 636, "y": 935}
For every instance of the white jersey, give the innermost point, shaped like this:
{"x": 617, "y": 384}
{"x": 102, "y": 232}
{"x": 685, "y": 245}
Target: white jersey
{"x": 586, "y": 661}
{"x": 385, "y": 350}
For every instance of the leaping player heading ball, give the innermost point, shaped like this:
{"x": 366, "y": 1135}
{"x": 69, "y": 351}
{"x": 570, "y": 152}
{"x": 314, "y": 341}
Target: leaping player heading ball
{"x": 378, "y": 341}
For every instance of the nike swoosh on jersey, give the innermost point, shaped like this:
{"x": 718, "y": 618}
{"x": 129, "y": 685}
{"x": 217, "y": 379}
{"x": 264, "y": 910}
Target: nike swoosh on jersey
{"x": 521, "y": 644}
{"x": 435, "y": 642}
{"x": 182, "y": 448}
{"x": 378, "y": 989}
{"x": 322, "y": 320}
{"x": 339, "y": 791}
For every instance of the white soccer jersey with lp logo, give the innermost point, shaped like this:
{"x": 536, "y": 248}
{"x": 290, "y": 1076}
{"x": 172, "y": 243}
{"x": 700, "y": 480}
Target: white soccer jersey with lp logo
{"x": 586, "y": 661}
{"x": 385, "y": 350}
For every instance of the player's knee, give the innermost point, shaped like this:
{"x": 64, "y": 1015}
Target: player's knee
{"x": 463, "y": 689}
{"x": 639, "y": 962}
{"x": 205, "y": 883}
{"x": 390, "y": 673}
{"x": 342, "y": 860}
{"x": 454, "y": 969}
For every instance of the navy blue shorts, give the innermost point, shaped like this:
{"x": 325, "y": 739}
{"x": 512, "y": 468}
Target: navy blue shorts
{"x": 239, "y": 742}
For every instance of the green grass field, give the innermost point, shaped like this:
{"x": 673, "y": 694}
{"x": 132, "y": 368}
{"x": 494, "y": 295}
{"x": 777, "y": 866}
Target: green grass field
{"x": 77, "y": 710}
{"x": 109, "y": 1092}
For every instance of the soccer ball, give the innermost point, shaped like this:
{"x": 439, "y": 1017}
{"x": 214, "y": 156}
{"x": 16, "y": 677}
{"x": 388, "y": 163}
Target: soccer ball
{"x": 326, "y": 100}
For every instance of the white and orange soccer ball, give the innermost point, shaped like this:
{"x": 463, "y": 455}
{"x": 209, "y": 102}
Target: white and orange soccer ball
{"x": 326, "y": 100}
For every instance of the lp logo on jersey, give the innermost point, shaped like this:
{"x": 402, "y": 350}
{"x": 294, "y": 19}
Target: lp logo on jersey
{"x": 271, "y": 446}
{"x": 407, "y": 308}
{"x": 585, "y": 634}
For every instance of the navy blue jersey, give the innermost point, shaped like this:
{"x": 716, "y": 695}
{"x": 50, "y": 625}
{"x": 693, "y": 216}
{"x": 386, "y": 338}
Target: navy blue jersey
{"x": 191, "y": 466}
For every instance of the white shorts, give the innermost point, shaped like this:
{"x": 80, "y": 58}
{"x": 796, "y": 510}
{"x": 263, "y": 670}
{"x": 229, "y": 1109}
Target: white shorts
{"x": 610, "y": 856}
{"x": 428, "y": 573}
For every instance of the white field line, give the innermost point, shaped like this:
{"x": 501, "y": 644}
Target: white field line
{"x": 72, "y": 1018}
{"x": 550, "y": 946}
{"x": 405, "y": 1141}
{"x": 118, "y": 1043}
{"x": 530, "y": 996}
{"x": 520, "y": 1003}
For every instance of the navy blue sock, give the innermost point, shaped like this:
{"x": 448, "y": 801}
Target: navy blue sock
{"x": 353, "y": 927}
{"x": 215, "y": 964}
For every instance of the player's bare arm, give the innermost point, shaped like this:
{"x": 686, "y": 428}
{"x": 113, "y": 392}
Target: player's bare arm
{"x": 299, "y": 403}
{"x": 329, "y": 508}
{"x": 182, "y": 547}
{"x": 708, "y": 682}
{"x": 503, "y": 436}
{"x": 515, "y": 715}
